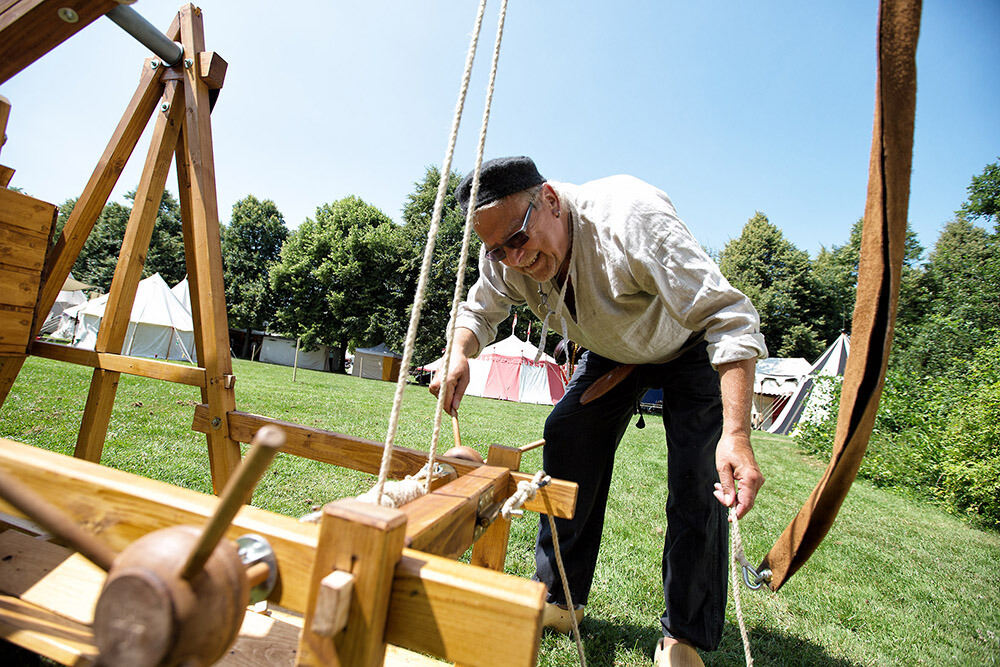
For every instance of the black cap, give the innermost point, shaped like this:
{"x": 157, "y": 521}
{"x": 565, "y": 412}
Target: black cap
{"x": 498, "y": 178}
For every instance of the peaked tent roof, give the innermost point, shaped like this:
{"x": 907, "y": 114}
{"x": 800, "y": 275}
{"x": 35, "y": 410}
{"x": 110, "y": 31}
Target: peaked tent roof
{"x": 154, "y": 304}
{"x": 831, "y": 363}
{"x": 379, "y": 350}
{"x": 183, "y": 293}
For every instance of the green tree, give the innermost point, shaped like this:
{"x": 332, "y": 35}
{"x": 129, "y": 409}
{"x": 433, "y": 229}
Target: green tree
{"x": 984, "y": 196}
{"x": 339, "y": 275}
{"x": 251, "y": 243}
{"x": 776, "y": 276}
{"x": 99, "y": 257}
{"x": 436, "y": 311}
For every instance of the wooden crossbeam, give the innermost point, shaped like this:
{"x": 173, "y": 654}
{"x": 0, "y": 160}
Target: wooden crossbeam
{"x": 347, "y": 451}
{"x": 436, "y": 605}
{"x": 119, "y": 363}
{"x": 31, "y": 28}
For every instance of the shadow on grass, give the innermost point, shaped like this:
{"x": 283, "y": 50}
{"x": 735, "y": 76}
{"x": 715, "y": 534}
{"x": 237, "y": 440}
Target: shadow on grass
{"x": 602, "y": 639}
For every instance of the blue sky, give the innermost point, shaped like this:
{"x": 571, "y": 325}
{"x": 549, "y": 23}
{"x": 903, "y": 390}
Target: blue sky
{"x": 730, "y": 107}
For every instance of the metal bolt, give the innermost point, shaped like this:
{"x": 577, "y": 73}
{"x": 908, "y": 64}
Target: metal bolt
{"x": 188, "y": 63}
{"x": 153, "y": 64}
{"x": 68, "y": 15}
{"x": 164, "y": 107}
{"x": 216, "y": 422}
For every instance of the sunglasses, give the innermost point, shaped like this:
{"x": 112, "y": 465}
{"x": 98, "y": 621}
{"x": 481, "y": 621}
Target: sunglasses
{"x": 514, "y": 241}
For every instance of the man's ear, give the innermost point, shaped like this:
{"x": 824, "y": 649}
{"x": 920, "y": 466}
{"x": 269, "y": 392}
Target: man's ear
{"x": 550, "y": 199}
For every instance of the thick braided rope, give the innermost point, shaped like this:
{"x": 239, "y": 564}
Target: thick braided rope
{"x": 466, "y": 236}
{"x": 733, "y": 568}
{"x": 425, "y": 268}
{"x": 526, "y": 490}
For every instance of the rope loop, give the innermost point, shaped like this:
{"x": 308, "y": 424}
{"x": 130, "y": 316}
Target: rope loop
{"x": 526, "y": 490}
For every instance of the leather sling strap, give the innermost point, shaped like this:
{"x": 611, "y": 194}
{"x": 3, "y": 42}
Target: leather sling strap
{"x": 883, "y": 238}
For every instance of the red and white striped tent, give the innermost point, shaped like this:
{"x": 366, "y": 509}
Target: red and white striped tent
{"x": 507, "y": 370}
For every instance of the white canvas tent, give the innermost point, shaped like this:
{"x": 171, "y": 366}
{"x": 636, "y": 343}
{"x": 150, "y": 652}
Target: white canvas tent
{"x": 278, "y": 350}
{"x": 71, "y": 295}
{"x": 775, "y": 380}
{"x": 159, "y": 325}
{"x": 806, "y": 404}
{"x": 377, "y": 363}
{"x": 183, "y": 293}
{"x": 507, "y": 370}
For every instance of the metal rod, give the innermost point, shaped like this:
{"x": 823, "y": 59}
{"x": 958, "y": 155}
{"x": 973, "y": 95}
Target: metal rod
{"x": 134, "y": 24}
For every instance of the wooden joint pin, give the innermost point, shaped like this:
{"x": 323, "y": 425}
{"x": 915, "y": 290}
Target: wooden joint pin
{"x": 333, "y": 603}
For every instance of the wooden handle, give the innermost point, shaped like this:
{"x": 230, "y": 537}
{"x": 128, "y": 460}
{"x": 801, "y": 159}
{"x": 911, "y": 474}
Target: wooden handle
{"x": 454, "y": 429}
{"x": 55, "y": 521}
{"x": 266, "y": 443}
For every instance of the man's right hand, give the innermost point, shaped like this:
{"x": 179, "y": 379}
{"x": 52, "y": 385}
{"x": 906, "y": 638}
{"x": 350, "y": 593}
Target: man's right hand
{"x": 457, "y": 381}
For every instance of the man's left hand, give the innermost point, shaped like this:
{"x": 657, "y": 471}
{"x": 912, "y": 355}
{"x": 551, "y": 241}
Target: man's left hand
{"x": 735, "y": 462}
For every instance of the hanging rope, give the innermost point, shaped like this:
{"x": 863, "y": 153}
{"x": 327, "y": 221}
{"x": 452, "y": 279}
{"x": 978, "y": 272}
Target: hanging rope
{"x": 466, "y": 235}
{"x": 737, "y": 540}
{"x": 425, "y": 267}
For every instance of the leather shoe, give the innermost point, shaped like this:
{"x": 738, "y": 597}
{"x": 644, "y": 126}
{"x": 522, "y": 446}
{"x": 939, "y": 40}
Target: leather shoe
{"x": 676, "y": 655}
{"x": 558, "y": 617}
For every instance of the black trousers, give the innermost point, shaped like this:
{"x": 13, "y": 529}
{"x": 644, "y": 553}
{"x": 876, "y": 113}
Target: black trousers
{"x": 580, "y": 446}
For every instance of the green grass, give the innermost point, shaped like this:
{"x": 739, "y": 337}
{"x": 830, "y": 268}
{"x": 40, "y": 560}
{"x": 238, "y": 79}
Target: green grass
{"x": 895, "y": 582}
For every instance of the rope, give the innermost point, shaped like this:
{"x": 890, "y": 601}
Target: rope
{"x": 738, "y": 549}
{"x": 425, "y": 268}
{"x": 525, "y": 491}
{"x": 565, "y": 581}
{"x": 466, "y": 235}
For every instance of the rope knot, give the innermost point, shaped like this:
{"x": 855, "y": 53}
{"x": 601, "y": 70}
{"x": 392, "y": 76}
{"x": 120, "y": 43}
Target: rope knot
{"x": 525, "y": 491}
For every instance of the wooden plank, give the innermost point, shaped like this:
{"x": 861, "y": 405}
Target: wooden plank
{"x": 223, "y": 451}
{"x": 212, "y": 69}
{"x": 50, "y": 576}
{"x": 6, "y": 173}
{"x": 471, "y": 624}
{"x": 436, "y": 604}
{"x": 27, "y": 215}
{"x": 46, "y": 633}
{"x": 20, "y": 288}
{"x": 22, "y": 249}
{"x": 149, "y": 368}
{"x": 356, "y": 453}
{"x": 120, "y": 508}
{"x": 4, "y": 115}
{"x": 31, "y": 28}
{"x": 95, "y": 194}
{"x": 15, "y": 324}
{"x": 366, "y": 541}
{"x": 490, "y": 550}
{"x": 442, "y": 525}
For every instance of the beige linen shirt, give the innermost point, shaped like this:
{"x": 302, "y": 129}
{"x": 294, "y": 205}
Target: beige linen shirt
{"x": 642, "y": 283}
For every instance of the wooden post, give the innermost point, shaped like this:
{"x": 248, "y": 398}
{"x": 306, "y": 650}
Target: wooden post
{"x": 200, "y": 202}
{"x": 365, "y": 541}
{"x": 490, "y": 550}
{"x": 295, "y": 365}
{"x": 5, "y": 172}
{"x": 128, "y": 272}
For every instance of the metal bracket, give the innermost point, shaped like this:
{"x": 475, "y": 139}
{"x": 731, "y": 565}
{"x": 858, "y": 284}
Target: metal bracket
{"x": 252, "y": 549}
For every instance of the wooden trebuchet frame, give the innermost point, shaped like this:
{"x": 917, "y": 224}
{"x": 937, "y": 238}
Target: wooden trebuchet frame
{"x": 366, "y": 577}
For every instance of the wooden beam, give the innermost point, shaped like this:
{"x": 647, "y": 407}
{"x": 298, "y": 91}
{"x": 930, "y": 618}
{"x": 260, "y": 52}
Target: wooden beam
{"x": 468, "y": 624}
{"x": 31, "y": 28}
{"x": 149, "y": 368}
{"x": 490, "y": 550}
{"x": 347, "y": 451}
{"x": 436, "y": 605}
{"x": 366, "y": 541}
{"x": 128, "y": 272}
{"x": 444, "y": 522}
{"x": 95, "y": 195}
{"x": 212, "y": 326}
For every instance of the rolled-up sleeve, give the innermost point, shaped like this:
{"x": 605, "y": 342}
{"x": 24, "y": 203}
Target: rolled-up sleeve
{"x": 697, "y": 295}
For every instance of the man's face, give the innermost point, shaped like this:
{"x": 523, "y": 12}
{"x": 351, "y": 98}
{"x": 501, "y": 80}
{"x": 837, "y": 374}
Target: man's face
{"x": 548, "y": 241}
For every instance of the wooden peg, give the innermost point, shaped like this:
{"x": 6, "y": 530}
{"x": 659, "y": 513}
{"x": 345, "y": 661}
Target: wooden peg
{"x": 266, "y": 444}
{"x": 333, "y": 603}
